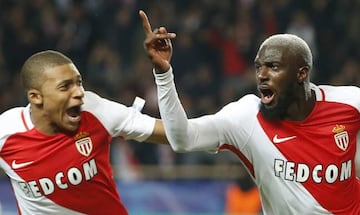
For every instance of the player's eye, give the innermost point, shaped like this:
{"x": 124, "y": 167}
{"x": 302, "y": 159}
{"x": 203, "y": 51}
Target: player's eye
{"x": 64, "y": 87}
{"x": 273, "y": 66}
{"x": 79, "y": 82}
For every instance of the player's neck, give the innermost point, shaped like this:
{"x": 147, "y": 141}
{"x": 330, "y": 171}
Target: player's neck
{"x": 301, "y": 109}
{"x": 41, "y": 122}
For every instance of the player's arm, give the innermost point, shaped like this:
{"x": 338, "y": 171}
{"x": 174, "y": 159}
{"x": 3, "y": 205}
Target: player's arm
{"x": 183, "y": 134}
{"x": 158, "y": 135}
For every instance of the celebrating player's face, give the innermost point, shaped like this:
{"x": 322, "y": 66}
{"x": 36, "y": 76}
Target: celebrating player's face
{"x": 276, "y": 81}
{"x": 62, "y": 94}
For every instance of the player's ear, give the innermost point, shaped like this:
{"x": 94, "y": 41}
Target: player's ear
{"x": 303, "y": 74}
{"x": 34, "y": 96}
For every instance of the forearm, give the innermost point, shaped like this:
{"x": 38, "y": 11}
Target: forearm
{"x": 172, "y": 113}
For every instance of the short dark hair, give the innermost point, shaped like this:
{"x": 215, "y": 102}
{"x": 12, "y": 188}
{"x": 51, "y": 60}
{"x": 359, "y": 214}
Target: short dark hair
{"x": 35, "y": 65}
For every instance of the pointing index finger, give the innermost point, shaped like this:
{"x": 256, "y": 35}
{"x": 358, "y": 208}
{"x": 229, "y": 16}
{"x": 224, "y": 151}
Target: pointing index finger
{"x": 145, "y": 21}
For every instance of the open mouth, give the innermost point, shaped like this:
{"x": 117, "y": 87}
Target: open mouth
{"x": 266, "y": 95}
{"x": 74, "y": 113}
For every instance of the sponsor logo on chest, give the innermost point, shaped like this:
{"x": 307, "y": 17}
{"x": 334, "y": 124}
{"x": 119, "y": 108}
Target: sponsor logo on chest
{"x": 302, "y": 172}
{"x": 62, "y": 180}
{"x": 73, "y": 176}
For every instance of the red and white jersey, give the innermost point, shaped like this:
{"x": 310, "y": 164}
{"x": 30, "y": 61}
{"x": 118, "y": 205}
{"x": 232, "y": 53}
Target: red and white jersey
{"x": 304, "y": 167}
{"x": 68, "y": 174}
{"x": 300, "y": 167}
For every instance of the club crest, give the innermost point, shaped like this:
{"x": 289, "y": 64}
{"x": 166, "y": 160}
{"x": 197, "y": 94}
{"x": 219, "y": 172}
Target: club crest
{"x": 341, "y": 137}
{"x": 83, "y": 143}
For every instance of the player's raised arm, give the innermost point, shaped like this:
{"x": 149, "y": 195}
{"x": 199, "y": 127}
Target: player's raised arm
{"x": 157, "y": 44}
{"x": 181, "y": 132}
{"x": 158, "y": 47}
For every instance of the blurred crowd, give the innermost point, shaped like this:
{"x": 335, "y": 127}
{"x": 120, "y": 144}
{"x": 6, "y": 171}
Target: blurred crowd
{"x": 213, "y": 53}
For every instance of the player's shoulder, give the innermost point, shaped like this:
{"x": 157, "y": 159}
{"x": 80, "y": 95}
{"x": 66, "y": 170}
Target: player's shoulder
{"x": 332, "y": 90}
{"x": 246, "y": 105}
{"x": 247, "y": 101}
{"x": 344, "y": 94}
{"x": 91, "y": 101}
{"x": 11, "y": 114}
{"x": 348, "y": 95}
{"x": 91, "y": 97}
{"x": 94, "y": 102}
{"x": 11, "y": 121}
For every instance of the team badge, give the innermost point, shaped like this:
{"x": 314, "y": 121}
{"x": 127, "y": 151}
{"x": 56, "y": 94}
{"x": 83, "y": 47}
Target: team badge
{"x": 341, "y": 137}
{"x": 83, "y": 143}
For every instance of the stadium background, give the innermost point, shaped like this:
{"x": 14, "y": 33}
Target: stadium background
{"x": 213, "y": 61}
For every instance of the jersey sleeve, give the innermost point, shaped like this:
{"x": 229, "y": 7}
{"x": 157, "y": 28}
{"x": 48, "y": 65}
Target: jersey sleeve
{"x": 205, "y": 133}
{"x": 349, "y": 95}
{"x": 17, "y": 123}
{"x": 119, "y": 119}
{"x": 231, "y": 125}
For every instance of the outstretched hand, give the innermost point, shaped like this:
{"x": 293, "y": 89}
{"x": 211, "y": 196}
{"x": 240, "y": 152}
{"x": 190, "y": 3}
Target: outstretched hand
{"x": 157, "y": 44}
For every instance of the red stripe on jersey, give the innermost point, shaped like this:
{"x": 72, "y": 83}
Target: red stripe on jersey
{"x": 24, "y": 121}
{"x": 312, "y": 144}
{"x": 322, "y": 94}
{"x": 242, "y": 157}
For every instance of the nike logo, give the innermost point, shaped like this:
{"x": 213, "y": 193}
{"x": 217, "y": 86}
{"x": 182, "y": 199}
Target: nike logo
{"x": 277, "y": 139}
{"x": 15, "y": 165}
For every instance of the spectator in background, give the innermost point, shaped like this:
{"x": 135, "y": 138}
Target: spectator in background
{"x": 104, "y": 65}
{"x": 242, "y": 197}
{"x": 301, "y": 26}
{"x": 50, "y": 27}
{"x": 348, "y": 73}
{"x": 77, "y": 33}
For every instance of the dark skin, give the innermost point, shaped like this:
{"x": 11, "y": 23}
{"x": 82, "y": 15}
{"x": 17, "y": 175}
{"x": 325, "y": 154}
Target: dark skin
{"x": 157, "y": 45}
{"x": 285, "y": 75}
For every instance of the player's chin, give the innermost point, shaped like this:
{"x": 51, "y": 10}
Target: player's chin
{"x": 270, "y": 105}
{"x": 271, "y": 112}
